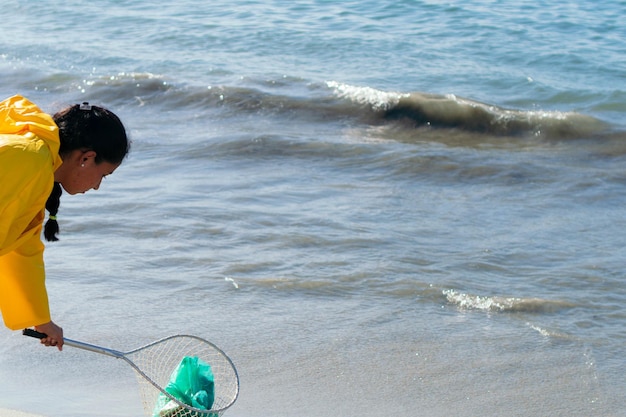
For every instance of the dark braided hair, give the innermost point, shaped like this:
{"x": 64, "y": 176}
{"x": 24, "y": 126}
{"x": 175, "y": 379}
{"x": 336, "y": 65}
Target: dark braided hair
{"x": 85, "y": 127}
{"x": 51, "y": 228}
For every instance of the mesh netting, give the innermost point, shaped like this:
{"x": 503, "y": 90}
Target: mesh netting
{"x": 155, "y": 363}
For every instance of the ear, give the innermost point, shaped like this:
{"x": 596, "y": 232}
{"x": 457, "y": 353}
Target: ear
{"x": 88, "y": 156}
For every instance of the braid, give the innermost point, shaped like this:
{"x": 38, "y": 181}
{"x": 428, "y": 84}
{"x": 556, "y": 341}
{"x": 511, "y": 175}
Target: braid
{"x": 52, "y": 205}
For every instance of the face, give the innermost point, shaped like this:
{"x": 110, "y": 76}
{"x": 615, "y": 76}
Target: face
{"x": 82, "y": 173}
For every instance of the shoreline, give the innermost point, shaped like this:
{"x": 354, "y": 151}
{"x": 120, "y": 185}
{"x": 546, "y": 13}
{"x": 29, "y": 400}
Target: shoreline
{"x": 6, "y": 412}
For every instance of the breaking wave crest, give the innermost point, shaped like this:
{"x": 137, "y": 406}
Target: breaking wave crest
{"x": 504, "y": 304}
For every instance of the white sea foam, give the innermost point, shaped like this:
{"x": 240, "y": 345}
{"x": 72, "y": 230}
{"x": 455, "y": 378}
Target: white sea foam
{"x": 498, "y": 303}
{"x": 377, "y": 99}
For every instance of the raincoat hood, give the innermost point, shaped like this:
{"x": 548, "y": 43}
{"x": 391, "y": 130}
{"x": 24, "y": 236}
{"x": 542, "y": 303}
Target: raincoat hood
{"x": 19, "y": 116}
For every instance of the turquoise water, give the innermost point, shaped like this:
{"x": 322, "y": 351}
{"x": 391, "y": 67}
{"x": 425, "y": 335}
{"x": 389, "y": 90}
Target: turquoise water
{"x": 407, "y": 208}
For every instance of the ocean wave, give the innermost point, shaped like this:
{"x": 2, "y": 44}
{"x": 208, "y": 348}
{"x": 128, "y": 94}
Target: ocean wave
{"x": 504, "y": 304}
{"x": 139, "y": 88}
{"x": 331, "y": 101}
{"x": 449, "y": 111}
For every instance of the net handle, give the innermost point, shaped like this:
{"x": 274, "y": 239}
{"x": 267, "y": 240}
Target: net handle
{"x": 77, "y": 344}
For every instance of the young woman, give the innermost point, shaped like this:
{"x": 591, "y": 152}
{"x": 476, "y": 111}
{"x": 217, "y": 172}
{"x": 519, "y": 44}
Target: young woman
{"x": 74, "y": 150}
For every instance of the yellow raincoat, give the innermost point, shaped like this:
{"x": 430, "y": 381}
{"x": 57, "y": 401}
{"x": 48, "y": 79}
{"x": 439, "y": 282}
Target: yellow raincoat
{"x": 29, "y": 155}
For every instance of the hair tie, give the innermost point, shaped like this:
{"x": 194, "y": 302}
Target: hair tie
{"x": 85, "y": 106}
{"x": 52, "y": 217}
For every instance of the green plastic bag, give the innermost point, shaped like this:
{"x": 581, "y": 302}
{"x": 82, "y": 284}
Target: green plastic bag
{"x": 191, "y": 383}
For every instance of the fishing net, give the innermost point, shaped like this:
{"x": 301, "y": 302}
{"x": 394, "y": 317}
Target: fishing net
{"x": 208, "y": 372}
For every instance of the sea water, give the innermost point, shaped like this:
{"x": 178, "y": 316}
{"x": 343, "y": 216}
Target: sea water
{"x": 408, "y": 208}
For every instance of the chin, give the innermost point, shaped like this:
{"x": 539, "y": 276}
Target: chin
{"x": 69, "y": 190}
